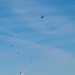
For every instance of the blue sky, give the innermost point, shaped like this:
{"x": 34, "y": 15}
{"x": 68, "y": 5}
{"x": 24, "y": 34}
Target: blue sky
{"x": 49, "y": 42}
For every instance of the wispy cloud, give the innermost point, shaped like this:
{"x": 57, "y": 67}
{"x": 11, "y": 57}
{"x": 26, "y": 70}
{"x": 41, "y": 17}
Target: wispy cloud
{"x": 57, "y": 54}
{"x": 55, "y": 28}
{"x": 58, "y": 24}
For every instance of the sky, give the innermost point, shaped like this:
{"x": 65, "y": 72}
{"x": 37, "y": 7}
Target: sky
{"x": 40, "y": 46}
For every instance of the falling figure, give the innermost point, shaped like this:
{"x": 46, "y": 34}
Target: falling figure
{"x": 42, "y": 16}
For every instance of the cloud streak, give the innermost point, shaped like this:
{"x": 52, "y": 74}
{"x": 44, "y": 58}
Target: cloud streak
{"x": 22, "y": 25}
{"x": 57, "y": 54}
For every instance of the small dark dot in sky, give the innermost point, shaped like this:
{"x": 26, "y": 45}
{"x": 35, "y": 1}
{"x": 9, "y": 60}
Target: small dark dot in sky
{"x": 18, "y": 52}
{"x": 11, "y": 45}
{"x": 42, "y": 16}
{"x": 30, "y": 61}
